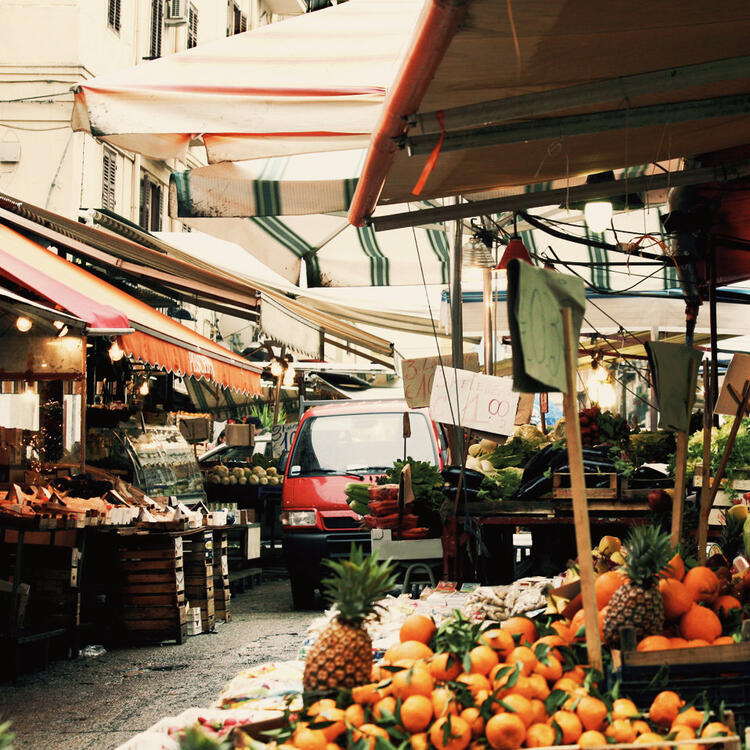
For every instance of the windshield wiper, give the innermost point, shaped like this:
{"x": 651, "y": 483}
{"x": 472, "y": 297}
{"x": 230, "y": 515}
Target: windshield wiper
{"x": 371, "y": 469}
{"x": 342, "y": 472}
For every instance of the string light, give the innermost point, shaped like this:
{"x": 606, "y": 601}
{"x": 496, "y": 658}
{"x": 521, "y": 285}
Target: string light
{"x": 23, "y": 324}
{"x": 115, "y": 352}
{"x": 277, "y": 368}
{"x": 144, "y": 389}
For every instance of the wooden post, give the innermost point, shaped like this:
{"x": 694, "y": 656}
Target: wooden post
{"x": 578, "y": 487}
{"x": 678, "y": 501}
{"x": 277, "y": 398}
{"x": 705, "y": 508}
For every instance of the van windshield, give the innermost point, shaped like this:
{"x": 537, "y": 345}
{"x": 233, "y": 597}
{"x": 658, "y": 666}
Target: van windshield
{"x": 359, "y": 443}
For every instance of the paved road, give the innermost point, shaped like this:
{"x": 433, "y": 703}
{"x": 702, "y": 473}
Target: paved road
{"x": 97, "y": 703}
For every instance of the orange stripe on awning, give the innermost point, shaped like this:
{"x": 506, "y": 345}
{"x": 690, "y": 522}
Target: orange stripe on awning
{"x": 156, "y": 352}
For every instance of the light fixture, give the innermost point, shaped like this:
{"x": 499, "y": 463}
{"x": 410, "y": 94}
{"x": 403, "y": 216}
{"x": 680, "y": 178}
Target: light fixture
{"x": 289, "y": 376}
{"x": 144, "y": 389}
{"x": 23, "y": 324}
{"x": 63, "y": 331}
{"x": 598, "y": 215}
{"x": 58, "y": 324}
{"x": 115, "y": 352}
{"x": 600, "y": 389}
{"x": 277, "y": 368}
{"x": 516, "y": 249}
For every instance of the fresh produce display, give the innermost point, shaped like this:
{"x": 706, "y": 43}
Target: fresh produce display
{"x": 738, "y": 465}
{"x": 358, "y": 496}
{"x": 426, "y": 482}
{"x": 342, "y": 655}
{"x": 603, "y": 428}
{"x": 255, "y": 475}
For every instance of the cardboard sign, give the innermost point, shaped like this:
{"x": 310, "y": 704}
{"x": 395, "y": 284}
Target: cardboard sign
{"x": 418, "y": 374}
{"x": 738, "y": 373}
{"x": 281, "y": 437}
{"x": 535, "y": 299}
{"x": 674, "y": 372}
{"x": 479, "y": 402}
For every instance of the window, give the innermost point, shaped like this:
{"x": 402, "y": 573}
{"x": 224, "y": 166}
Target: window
{"x": 192, "y": 30}
{"x": 109, "y": 178}
{"x": 157, "y": 21}
{"x": 150, "y": 213}
{"x": 237, "y": 21}
{"x": 113, "y": 14}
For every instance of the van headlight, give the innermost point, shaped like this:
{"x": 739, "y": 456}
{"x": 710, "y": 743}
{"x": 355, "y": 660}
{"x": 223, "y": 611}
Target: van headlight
{"x": 298, "y": 518}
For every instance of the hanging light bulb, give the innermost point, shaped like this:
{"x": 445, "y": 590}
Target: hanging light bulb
{"x": 58, "y": 324}
{"x": 115, "y": 352}
{"x": 144, "y": 389}
{"x": 63, "y": 331}
{"x": 23, "y": 324}
{"x": 598, "y": 215}
{"x": 601, "y": 391}
{"x": 289, "y": 377}
{"x": 277, "y": 369}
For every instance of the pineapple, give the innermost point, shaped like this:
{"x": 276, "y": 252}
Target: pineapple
{"x": 639, "y": 603}
{"x": 342, "y": 655}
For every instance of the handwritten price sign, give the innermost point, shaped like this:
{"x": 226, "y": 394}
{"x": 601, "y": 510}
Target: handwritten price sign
{"x": 418, "y": 374}
{"x": 479, "y": 402}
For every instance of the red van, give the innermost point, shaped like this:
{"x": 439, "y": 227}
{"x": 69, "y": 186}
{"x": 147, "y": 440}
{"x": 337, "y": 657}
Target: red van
{"x": 338, "y": 443}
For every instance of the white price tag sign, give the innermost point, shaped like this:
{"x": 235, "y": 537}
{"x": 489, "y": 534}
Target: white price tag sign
{"x": 418, "y": 374}
{"x": 479, "y": 402}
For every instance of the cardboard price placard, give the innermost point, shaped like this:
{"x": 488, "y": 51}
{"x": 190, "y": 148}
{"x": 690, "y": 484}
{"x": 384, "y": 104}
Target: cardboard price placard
{"x": 738, "y": 373}
{"x": 281, "y": 437}
{"x": 479, "y": 402}
{"x": 418, "y": 375}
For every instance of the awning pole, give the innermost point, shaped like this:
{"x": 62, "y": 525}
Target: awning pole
{"x": 714, "y": 332}
{"x": 489, "y": 349}
{"x": 457, "y": 323}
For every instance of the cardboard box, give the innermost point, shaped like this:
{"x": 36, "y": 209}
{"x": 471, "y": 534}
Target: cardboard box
{"x": 240, "y": 434}
{"x": 195, "y": 429}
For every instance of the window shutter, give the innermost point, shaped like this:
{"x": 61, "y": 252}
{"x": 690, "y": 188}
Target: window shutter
{"x": 243, "y": 22}
{"x": 155, "y": 208}
{"x": 109, "y": 179}
{"x": 157, "y": 19}
{"x": 113, "y": 14}
{"x": 192, "y": 27}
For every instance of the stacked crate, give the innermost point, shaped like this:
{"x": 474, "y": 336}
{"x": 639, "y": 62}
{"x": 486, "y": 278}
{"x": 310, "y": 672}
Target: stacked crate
{"x": 221, "y": 577}
{"x": 198, "y": 553}
{"x": 150, "y": 589}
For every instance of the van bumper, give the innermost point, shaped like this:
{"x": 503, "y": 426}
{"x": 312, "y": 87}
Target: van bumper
{"x": 305, "y": 551}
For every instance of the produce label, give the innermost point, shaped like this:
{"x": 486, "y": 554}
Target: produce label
{"x": 418, "y": 374}
{"x": 535, "y": 300}
{"x": 479, "y": 402}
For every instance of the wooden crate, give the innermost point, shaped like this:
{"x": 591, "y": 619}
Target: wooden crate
{"x": 151, "y": 589}
{"x": 561, "y": 486}
{"x": 222, "y": 594}
{"x": 198, "y": 555}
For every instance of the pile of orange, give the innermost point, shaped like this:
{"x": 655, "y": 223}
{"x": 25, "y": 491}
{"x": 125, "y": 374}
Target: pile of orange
{"x": 509, "y": 692}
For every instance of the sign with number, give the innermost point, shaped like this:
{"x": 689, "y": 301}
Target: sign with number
{"x": 479, "y": 402}
{"x": 281, "y": 437}
{"x": 418, "y": 374}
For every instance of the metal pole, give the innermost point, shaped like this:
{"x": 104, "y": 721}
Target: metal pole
{"x": 487, "y": 328}
{"x": 714, "y": 334}
{"x": 457, "y": 323}
{"x": 652, "y": 413}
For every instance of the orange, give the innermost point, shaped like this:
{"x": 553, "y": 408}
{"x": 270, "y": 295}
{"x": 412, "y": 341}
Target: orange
{"x": 539, "y": 711}
{"x": 576, "y": 674}
{"x": 525, "y": 656}
{"x": 332, "y": 746}
{"x": 592, "y": 712}
{"x": 416, "y": 713}
{"x": 474, "y": 720}
{"x": 700, "y": 622}
{"x": 665, "y": 707}
{"x": 445, "y": 667}
{"x": 654, "y": 643}
{"x": 474, "y": 681}
{"x": 419, "y": 741}
{"x": 621, "y": 730}
{"x": 725, "y": 603}
{"x": 676, "y": 596}
{"x": 505, "y": 732}
{"x": 450, "y": 733}
{"x": 551, "y": 641}
{"x": 715, "y": 729}
{"x": 309, "y": 739}
{"x": 723, "y": 640}
{"x": 623, "y": 708}
{"x": 321, "y": 705}
{"x": 417, "y": 628}
{"x": 592, "y": 738}
{"x": 562, "y": 628}
{"x": 697, "y": 643}
{"x": 522, "y": 626}
{"x": 499, "y": 639}
{"x": 523, "y": 686}
{"x": 552, "y": 671}
{"x": 444, "y": 702}
{"x": 408, "y": 650}
{"x": 371, "y": 731}
{"x": 682, "y": 732}
{"x": 565, "y": 684}
{"x": 521, "y": 707}
{"x": 540, "y": 735}
{"x": 605, "y": 585}
{"x": 384, "y": 705}
{"x": 538, "y": 686}
{"x": 337, "y": 726}
{"x": 570, "y": 726}
{"x": 575, "y": 625}
{"x": 677, "y": 643}
{"x": 640, "y": 726}
{"x": 355, "y": 715}
{"x": 646, "y": 737}
{"x": 483, "y": 658}
{"x": 366, "y": 694}
{"x": 415, "y": 681}
{"x": 676, "y": 568}
{"x": 690, "y": 717}
{"x": 702, "y": 583}
{"x": 379, "y": 673}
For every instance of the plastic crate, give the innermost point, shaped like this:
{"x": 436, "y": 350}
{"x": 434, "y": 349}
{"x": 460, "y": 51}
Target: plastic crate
{"x": 727, "y": 683}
